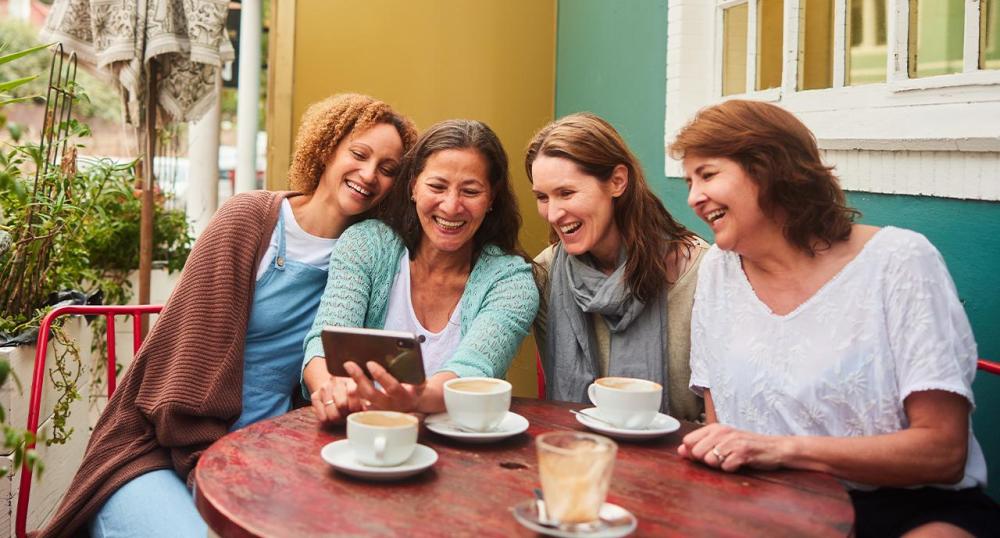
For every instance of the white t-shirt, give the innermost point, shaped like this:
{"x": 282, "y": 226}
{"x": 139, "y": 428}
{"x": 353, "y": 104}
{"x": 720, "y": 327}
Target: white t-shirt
{"x": 437, "y": 347}
{"x": 841, "y": 364}
{"x": 300, "y": 245}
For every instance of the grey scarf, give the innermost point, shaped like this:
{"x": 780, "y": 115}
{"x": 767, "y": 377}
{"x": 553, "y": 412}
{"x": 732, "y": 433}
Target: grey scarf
{"x": 638, "y": 330}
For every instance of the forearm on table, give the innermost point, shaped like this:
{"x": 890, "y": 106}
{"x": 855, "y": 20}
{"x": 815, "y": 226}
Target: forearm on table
{"x": 432, "y": 399}
{"x": 905, "y": 458}
{"x": 931, "y": 451}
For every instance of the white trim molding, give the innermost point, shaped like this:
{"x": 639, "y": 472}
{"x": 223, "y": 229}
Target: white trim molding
{"x": 895, "y": 137}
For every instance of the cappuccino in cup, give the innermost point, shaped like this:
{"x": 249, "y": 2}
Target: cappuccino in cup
{"x": 626, "y": 402}
{"x": 382, "y": 438}
{"x": 384, "y": 420}
{"x": 477, "y": 403}
{"x": 476, "y": 385}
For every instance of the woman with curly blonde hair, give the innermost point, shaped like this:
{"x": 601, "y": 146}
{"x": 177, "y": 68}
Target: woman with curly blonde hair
{"x": 226, "y": 350}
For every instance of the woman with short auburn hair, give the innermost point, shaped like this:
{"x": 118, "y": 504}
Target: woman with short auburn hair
{"x": 619, "y": 278}
{"x": 822, "y": 344}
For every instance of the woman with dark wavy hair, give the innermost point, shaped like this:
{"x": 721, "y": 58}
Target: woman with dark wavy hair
{"x": 443, "y": 262}
{"x": 822, "y": 344}
{"x": 619, "y": 278}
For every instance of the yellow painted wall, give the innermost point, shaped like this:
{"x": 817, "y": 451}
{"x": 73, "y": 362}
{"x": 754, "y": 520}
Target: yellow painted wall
{"x": 490, "y": 60}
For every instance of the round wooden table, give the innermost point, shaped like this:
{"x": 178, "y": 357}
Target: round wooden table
{"x": 269, "y": 480}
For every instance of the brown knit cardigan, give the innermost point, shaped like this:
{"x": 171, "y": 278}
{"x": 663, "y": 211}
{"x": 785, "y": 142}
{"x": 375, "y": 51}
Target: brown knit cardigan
{"x": 184, "y": 388}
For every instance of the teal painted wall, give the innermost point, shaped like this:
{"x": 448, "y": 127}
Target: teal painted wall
{"x": 611, "y": 60}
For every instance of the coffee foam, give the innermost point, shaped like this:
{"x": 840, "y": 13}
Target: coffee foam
{"x": 385, "y": 420}
{"x": 479, "y": 386}
{"x": 628, "y": 384}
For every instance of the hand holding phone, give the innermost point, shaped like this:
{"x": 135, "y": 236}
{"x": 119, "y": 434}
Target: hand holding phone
{"x": 396, "y": 351}
{"x": 390, "y": 394}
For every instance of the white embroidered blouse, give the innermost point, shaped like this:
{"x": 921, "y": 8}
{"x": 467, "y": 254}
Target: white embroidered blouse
{"x": 842, "y": 363}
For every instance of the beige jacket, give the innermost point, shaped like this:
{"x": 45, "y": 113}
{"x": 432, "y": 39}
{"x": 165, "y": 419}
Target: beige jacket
{"x": 683, "y": 403}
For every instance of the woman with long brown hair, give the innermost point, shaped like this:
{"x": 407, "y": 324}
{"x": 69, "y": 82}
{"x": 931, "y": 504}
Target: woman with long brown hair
{"x": 823, "y": 344}
{"x": 442, "y": 261}
{"x": 619, "y": 279}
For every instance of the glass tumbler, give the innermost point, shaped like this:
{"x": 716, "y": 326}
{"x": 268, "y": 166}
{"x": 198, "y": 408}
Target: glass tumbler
{"x": 575, "y": 471}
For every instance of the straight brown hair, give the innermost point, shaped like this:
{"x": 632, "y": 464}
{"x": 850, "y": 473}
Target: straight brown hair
{"x": 650, "y": 234}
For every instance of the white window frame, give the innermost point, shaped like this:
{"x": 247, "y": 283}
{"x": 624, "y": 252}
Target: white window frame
{"x": 954, "y": 112}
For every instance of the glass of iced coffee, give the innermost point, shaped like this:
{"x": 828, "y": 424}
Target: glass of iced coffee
{"x": 575, "y": 471}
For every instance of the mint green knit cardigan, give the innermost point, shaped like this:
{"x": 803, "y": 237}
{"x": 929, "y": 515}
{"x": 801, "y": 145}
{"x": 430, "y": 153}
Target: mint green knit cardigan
{"x": 498, "y": 305}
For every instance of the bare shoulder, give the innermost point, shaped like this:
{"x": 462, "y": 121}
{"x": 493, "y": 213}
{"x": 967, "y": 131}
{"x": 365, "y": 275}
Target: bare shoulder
{"x": 843, "y": 252}
{"x": 861, "y": 233}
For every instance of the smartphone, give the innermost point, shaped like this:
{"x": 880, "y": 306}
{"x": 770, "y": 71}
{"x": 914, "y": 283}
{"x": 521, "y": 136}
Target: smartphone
{"x": 396, "y": 351}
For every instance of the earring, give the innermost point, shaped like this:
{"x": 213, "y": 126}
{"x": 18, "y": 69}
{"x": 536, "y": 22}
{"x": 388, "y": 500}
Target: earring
{"x": 490, "y": 210}
{"x": 412, "y": 199}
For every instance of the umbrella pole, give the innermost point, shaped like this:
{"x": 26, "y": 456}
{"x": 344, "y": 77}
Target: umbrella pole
{"x": 146, "y": 221}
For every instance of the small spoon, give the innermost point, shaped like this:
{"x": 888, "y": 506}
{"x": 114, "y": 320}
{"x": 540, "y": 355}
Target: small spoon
{"x": 592, "y": 417}
{"x": 543, "y": 516}
{"x": 463, "y": 429}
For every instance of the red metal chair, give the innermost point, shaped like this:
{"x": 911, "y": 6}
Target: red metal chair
{"x": 38, "y": 377}
{"x": 541, "y": 375}
{"x": 990, "y": 367}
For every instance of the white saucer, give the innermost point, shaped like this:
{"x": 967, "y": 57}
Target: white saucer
{"x": 341, "y": 457}
{"x": 661, "y": 425}
{"x": 614, "y": 521}
{"x": 511, "y": 425}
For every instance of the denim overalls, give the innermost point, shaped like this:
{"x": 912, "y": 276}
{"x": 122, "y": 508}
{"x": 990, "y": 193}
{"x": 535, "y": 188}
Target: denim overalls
{"x": 158, "y": 503}
{"x": 284, "y": 306}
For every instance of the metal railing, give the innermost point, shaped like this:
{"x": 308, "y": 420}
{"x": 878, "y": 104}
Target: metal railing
{"x": 38, "y": 378}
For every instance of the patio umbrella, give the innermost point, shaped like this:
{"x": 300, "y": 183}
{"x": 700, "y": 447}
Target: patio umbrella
{"x": 164, "y": 55}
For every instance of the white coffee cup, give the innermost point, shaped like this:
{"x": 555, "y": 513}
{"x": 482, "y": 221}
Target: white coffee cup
{"x": 477, "y": 403}
{"x": 626, "y": 402}
{"x": 382, "y": 438}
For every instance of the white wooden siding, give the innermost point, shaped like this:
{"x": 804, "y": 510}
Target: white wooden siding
{"x": 947, "y": 174}
{"x": 934, "y": 136}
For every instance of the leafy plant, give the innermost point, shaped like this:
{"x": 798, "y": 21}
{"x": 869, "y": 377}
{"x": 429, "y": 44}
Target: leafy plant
{"x": 72, "y": 226}
{"x": 14, "y": 439}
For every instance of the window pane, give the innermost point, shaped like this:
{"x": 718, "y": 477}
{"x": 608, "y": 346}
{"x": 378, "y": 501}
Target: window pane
{"x": 734, "y": 50}
{"x": 937, "y": 32}
{"x": 867, "y": 53}
{"x": 989, "y": 35}
{"x": 816, "y": 66}
{"x": 770, "y": 29}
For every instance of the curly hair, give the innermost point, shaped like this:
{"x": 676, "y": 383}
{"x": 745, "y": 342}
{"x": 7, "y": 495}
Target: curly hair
{"x": 501, "y": 225}
{"x": 650, "y": 234}
{"x": 327, "y": 122}
{"x": 779, "y": 154}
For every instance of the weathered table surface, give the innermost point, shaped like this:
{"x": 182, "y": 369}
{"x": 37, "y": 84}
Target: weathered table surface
{"x": 269, "y": 480}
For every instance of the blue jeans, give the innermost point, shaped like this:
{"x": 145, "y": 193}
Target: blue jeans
{"x": 155, "y": 504}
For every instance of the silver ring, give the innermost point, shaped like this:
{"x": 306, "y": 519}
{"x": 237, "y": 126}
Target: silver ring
{"x": 719, "y": 455}
{"x": 329, "y": 402}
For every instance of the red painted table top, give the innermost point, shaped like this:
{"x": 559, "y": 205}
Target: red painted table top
{"x": 269, "y": 480}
